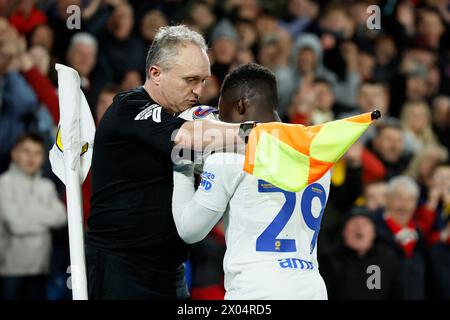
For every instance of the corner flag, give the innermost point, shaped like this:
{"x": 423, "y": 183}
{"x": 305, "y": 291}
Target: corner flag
{"x": 291, "y": 156}
{"x": 70, "y": 159}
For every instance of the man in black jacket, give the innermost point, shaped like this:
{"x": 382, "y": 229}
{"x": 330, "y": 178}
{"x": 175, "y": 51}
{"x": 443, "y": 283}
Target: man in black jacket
{"x": 132, "y": 247}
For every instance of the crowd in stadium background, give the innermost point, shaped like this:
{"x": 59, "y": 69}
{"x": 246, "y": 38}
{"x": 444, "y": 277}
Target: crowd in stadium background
{"x": 390, "y": 196}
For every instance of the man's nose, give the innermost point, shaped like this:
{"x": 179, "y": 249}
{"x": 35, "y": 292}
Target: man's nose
{"x": 198, "y": 88}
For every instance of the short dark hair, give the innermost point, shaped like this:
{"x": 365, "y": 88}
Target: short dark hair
{"x": 32, "y": 136}
{"x": 249, "y": 79}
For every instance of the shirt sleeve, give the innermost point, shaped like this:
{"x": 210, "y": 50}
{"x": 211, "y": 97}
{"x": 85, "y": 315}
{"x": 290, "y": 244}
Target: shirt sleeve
{"x": 196, "y": 212}
{"x": 221, "y": 174}
{"x": 149, "y": 123}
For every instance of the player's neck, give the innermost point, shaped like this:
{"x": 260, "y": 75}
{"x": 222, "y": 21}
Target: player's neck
{"x": 263, "y": 117}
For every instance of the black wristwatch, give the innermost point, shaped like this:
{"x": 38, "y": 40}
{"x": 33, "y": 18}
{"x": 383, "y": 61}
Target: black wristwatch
{"x": 245, "y": 128}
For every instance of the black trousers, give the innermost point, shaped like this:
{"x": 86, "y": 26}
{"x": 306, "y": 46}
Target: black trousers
{"x": 124, "y": 276}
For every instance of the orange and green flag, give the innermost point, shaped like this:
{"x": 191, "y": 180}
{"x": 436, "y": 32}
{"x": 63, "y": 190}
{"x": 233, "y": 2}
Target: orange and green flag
{"x": 291, "y": 156}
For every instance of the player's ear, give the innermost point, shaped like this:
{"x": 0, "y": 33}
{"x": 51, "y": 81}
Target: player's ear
{"x": 240, "y": 106}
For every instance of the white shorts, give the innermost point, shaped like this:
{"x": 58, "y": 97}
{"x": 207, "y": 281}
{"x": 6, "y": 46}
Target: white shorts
{"x": 291, "y": 285}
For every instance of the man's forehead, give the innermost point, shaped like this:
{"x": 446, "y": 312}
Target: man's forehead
{"x": 192, "y": 65}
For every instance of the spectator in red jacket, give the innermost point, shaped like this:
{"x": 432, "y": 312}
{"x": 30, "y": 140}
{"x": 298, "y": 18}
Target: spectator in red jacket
{"x": 27, "y": 16}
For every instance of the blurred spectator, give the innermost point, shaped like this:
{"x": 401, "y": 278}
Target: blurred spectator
{"x": 397, "y": 230}
{"x": 245, "y": 10}
{"x": 29, "y": 207}
{"x": 150, "y": 23}
{"x": 201, "y": 16}
{"x": 430, "y": 28}
{"x": 416, "y": 84}
{"x": 27, "y": 16}
{"x": 346, "y": 187}
{"x": 366, "y": 66}
{"x": 373, "y": 95}
{"x": 346, "y": 269}
{"x": 307, "y": 64}
{"x": 314, "y": 104}
{"x": 403, "y": 24}
{"x": 121, "y": 50}
{"x": 359, "y": 12}
{"x": 300, "y": 14}
{"x": 104, "y": 101}
{"x": 416, "y": 79}
{"x": 389, "y": 146}
{"x": 336, "y": 27}
{"x": 385, "y": 52}
{"x": 441, "y": 119}
{"x": 271, "y": 55}
{"x": 41, "y": 59}
{"x": 337, "y": 21}
{"x": 324, "y": 102}
{"x": 82, "y": 56}
{"x": 131, "y": 79}
{"x": 423, "y": 166}
{"x": 417, "y": 126}
{"x": 375, "y": 196}
{"x": 224, "y": 40}
{"x": 243, "y": 56}
{"x": 57, "y": 16}
{"x": 433, "y": 216}
{"x": 42, "y": 35}
{"x": 17, "y": 100}
{"x": 248, "y": 35}
{"x": 34, "y": 66}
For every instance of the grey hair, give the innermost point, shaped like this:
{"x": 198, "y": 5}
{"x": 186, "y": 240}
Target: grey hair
{"x": 403, "y": 182}
{"x": 166, "y": 43}
{"x": 83, "y": 38}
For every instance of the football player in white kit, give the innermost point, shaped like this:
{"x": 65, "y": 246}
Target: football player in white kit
{"x": 271, "y": 234}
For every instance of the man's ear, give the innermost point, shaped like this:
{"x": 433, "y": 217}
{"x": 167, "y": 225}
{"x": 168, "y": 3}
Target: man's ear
{"x": 240, "y": 106}
{"x": 154, "y": 73}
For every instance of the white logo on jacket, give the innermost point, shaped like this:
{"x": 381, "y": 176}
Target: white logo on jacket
{"x": 153, "y": 111}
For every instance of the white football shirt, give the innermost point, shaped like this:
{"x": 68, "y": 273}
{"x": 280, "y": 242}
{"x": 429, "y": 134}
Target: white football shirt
{"x": 271, "y": 234}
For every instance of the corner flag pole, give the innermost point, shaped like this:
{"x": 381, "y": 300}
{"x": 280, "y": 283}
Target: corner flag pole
{"x": 70, "y": 158}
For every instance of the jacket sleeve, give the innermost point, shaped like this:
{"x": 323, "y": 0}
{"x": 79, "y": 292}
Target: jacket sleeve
{"x": 45, "y": 91}
{"x": 24, "y": 219}
{"x": 53, "y": 212}
{"x": 21, "y": 224}
{"x": 21, "y": 99}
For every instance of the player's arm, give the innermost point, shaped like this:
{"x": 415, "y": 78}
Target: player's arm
{"x": 197, "y": 212}
{"x": 208, "y": 134}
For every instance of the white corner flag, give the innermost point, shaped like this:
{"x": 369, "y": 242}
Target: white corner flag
{"x": 71, "y": 158}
